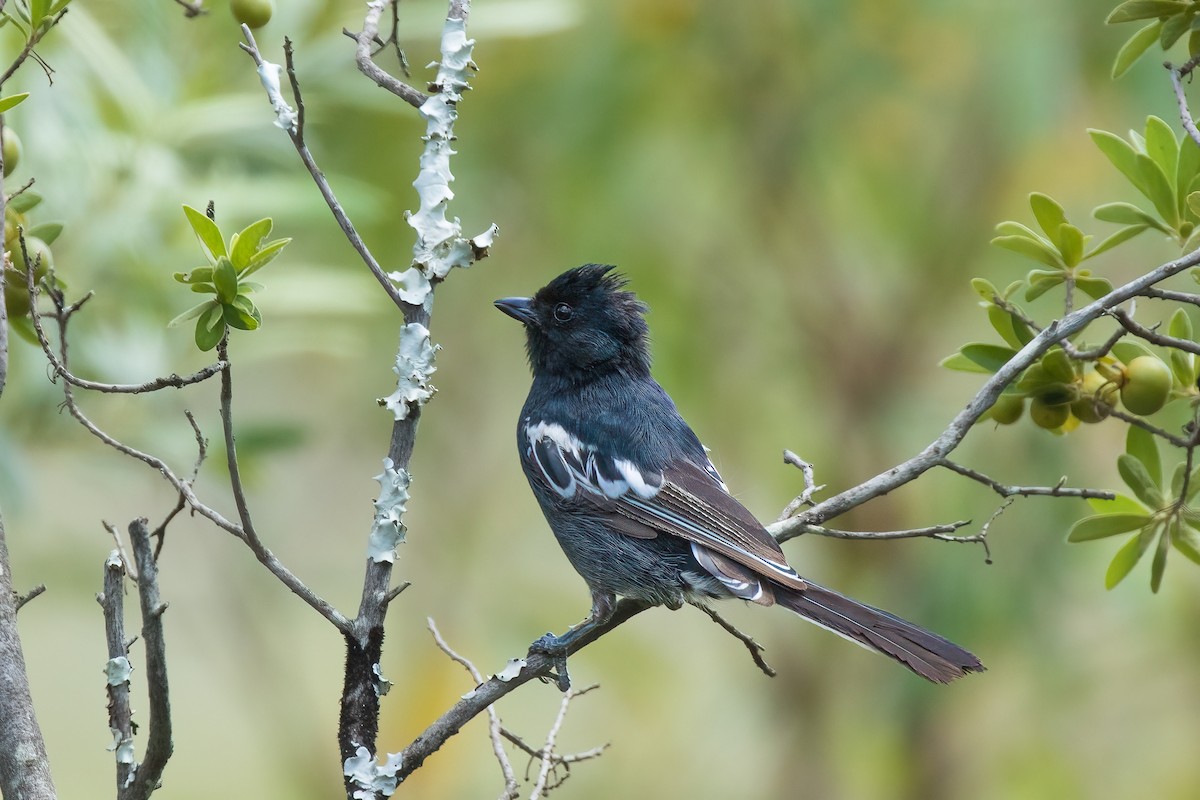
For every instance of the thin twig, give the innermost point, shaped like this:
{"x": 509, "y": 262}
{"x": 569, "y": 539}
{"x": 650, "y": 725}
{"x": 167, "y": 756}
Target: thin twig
{"x": 1185, "y": 114}
{"x": 32, "y": 593}
{"x": 191, "y": 10}
{"x": 810, "y": 487}
{"x": 249, "y": 533}
{"x": 756, "y": 649}
{"x": 125, "y": 559}
{"x": 511, "y": 789}
{"x": 1060, "y": 489}
{"x": 1153, "y": 336}
{"x": 366, "y": 64}
{"x": 1169, "y": 294}
{"x": 1154, "y": 430}
{"x": 550, "y": 759}
{"x": 348, "y": 229}
{"x": 27, "y": 51}
{"x": 941, "y": 532}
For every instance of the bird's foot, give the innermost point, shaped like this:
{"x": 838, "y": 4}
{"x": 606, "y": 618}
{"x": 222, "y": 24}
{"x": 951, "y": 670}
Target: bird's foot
{"x": 555, "y": 648}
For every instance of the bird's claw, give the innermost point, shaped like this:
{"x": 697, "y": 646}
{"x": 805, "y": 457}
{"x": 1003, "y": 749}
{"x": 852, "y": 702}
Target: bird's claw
{"x": 554, "y": 648}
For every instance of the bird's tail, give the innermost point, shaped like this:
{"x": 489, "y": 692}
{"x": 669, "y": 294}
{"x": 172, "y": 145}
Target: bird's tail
{"x": 927, "y": 654}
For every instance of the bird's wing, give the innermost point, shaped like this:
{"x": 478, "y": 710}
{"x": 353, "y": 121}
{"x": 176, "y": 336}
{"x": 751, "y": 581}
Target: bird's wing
{"x": 685, "y": 499}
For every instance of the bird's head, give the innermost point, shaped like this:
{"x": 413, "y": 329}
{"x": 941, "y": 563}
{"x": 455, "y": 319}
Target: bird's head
{"x": 582, "y": 324}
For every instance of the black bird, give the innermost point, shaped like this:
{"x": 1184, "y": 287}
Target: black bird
{"x": 631, "y": 495}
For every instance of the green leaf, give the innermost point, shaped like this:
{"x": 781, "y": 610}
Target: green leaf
{"x": 1194, "y": 43}
{"x": 197, "y": 275}
{"x": 1177, "y": 478}
{"x": 1183, "y": 367}
{"x": 226, "y": 280}
{"x": 1141, "y": 445}
{"x": 208, "y": 233}
{"x": 1145, "y": 9}
{"x": 1050, "y": 216}
{"x": 1120, "y": 237}
{"x": 989, "y": 356}
{"x": 1030, "y": 248}
{"x": 1187, "y": 170}
{"x": 1121, "y": 504}
{"x": 191, "y": 313}
{"x": 1005, "y": 325}
{"x": 1158, "y": 189}
{"x": 1120, "y": 153}
{"x": 1123, "y": 214}
{"x": 25, "y": 201}
{"x": 237, "y": 318}
{"x": 1058, "y": 366}
{"x": 1070, "y": 242}
{"x": 204, "y": 288}
{"x": 1103, "y": 525}
{"x": 265, "y": 255}
{"x": 1128, "y": 556}
{"x": 1011, "y": 228}
{"x": 210, "y": 327}
{"x": 1094, "y": 288}
{"x": 37, "y": 11}
{"x": 1174, "y": 27}
{"x": 1180, "y": 325}
{"x": 247, "y": 243}
{"x": 1159, "y": 564}
{"x": 1134, "y": 47}
{"x": 1138, "y": 478}
{"x": 1042, "y": 284}
{"x": 12, "y": 101}
{"x": 1162, "y": 147}
{"x": 1186, "y": 541}
{"x": 961, "y": 363}
{"x": 985, "y": 289}
{"x": 46, "y": 231}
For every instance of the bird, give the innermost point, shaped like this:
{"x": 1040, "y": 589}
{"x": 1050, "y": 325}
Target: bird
{"x": 632, "y": 497}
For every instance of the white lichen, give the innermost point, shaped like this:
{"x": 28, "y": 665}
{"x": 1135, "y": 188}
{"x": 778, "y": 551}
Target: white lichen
{"x": 372, "y": 779}
{"x": 440, "y": 245}
{"x": 117, "y": 670}
{"x": 414, "y": 366}
{"x": 382, "y": 684}
{"x": 387, "y": 531}
{"x": 285, "y": 115}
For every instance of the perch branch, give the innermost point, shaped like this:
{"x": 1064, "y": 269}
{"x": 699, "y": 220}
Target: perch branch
{"x": 366, "y": 62}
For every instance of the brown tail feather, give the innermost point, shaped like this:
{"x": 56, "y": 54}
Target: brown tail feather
{"x": 927, "y": 654}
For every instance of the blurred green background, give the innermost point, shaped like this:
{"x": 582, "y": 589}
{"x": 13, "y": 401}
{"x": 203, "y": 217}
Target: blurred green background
{"x": 800, "y": 190}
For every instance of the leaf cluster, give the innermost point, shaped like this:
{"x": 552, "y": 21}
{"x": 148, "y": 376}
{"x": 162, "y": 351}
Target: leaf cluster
{"x": 225, "y": 277}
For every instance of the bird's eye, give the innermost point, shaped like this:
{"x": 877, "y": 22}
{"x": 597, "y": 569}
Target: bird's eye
{"x": 563, "y": 312}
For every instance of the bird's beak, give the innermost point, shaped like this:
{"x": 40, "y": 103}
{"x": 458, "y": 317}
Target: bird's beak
{"x": 519, "y": 308}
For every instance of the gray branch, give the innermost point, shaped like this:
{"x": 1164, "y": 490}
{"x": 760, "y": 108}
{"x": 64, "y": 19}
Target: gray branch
{"x": 937, "y": 451}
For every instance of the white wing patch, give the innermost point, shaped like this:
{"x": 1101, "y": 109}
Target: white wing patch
{"x": 568, "y": 465}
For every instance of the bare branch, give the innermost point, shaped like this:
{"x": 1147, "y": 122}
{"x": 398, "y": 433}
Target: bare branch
{"x": 1185, "y": 114}
{"x": 249, "y": 534}
{"x": 756, "y": 649}
{"x": 940, "y": 448}
{"x": 1059, "y": 489}
{"x": 810, "y": 487}
{"x": 511, "y": 789}
{"x": 366, "y": 63}
{"x": 550, "y": 759}
{"x": 929, "y": 531}
{"x": 158, "y": 741}
{"x": 1169, "y": 294}
{"x": 339, "y": 214}
{"x": 1153, "y": 336}
{"x": 192, "y": 9}
{"x": 31, "y": 594}
{"x": 120, "y": 713}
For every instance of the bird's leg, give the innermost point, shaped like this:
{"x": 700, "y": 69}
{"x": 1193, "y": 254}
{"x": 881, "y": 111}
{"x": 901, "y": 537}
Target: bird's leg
{"x": 557, "y": 647}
